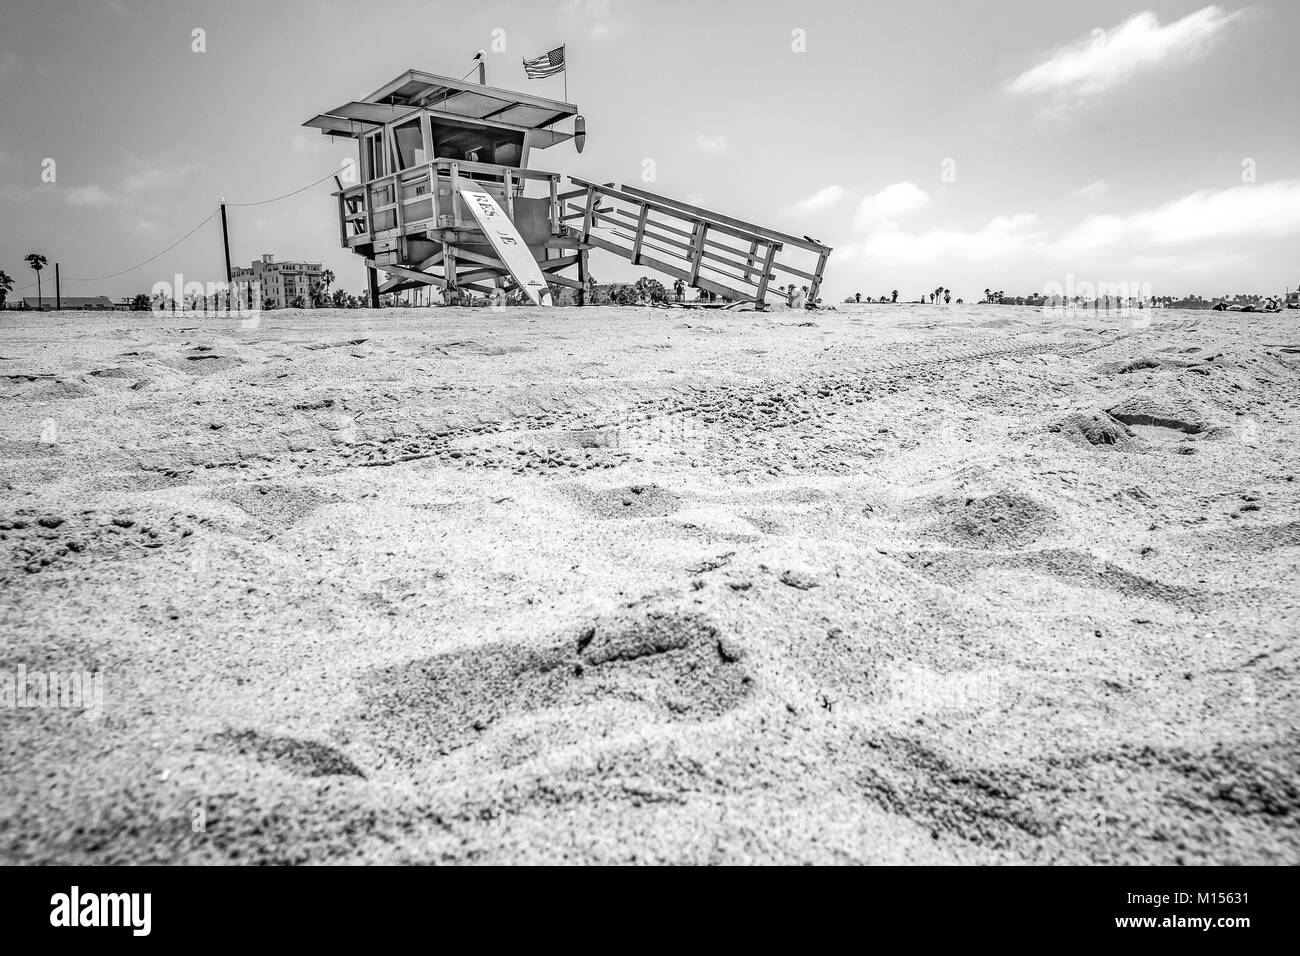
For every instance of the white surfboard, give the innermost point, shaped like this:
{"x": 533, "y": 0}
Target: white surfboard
{"x": 509, "y": 245}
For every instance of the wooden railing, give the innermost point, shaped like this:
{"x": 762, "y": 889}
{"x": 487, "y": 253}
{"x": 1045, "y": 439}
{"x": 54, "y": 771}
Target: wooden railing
{"x": 713, "y": 252}
{"x": 428, "y": 197}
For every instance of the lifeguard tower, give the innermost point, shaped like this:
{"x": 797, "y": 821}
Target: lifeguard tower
{"x": 431, "y": 147}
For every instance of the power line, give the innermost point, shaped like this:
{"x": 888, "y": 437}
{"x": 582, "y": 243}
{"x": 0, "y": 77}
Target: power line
{"x": 114, "y": 275}
{"x": 211, "y": 216}
{"x": 30, "y": 285}
{"x": 263, "y": 202}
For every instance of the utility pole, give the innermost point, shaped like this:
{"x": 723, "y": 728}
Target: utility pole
{"x": 58, "y": 290}
{"x": 480, "y": 58}
{"x": 225, "y": 241}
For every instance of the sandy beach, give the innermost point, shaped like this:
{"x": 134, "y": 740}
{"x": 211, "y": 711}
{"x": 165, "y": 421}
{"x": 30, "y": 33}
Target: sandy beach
{"x": 901, "y": 584}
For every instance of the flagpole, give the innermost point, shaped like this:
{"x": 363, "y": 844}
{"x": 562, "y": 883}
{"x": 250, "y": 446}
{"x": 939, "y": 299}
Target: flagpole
{"x": 565, "y": 48}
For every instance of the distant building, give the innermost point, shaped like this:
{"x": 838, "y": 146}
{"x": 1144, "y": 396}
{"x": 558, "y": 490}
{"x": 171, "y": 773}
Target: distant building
{"x": 69, "y": 303}
{"x": 282, "y": 282}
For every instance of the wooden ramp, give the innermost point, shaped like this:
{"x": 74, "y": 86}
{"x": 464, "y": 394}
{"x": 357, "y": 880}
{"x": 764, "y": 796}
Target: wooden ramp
{"x": 730, "y": 257}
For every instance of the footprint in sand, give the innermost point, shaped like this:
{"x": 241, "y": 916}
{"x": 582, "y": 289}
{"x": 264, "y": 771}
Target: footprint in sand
{"x": 652, "y": 664}
{"x": 1002, "y": 520}
{"x": 302, "y": 758}
{"x": 624, "y": 501}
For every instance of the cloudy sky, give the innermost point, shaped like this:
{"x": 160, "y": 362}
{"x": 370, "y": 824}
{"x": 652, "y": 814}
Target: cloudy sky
{"x": 967, "y": 144}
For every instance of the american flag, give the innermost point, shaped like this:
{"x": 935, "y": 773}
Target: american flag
{"x": 548, "y": 64}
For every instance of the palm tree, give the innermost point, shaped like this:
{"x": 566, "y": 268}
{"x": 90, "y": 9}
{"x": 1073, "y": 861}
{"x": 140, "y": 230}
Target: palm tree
{"x": 320, "y": 289}
{"x": 37, "y": 262}
{"x": 6, "y": 286}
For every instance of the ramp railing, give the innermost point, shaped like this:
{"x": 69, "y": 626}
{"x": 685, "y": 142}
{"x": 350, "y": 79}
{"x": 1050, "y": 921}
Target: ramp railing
{"x": 713, "y": 252}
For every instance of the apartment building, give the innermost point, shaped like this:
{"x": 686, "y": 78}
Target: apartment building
{"x": 281, "y": 282}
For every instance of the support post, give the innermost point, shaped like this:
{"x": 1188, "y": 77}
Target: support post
{"x": 225, "y": 242}
{"x": 58, "y": 290}
{"x": 817, "y": 282}
{"x": 398, "y": 215}
{"x": 582, "y": 276}
{"x": 767, "y": 274}
{"x": 449, "y": 272}
{"x": 555, "y": 206}
{"x": 697, "y": 248}
{"x": 455, "y": 194}
{"x": 640, "y": 234}
{"x": 593, "y": 197}
{"x": 372, "y": 282}
{"x": 749, "y": 260}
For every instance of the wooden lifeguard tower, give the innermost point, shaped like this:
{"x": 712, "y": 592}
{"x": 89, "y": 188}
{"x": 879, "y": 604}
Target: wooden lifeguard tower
{"x": 430, "y": 146}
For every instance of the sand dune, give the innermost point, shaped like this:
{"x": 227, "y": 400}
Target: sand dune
{"x": 891, "y": 584}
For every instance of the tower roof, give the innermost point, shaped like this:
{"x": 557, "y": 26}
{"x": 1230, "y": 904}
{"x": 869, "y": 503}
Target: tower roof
{"x": 461, "y": 98}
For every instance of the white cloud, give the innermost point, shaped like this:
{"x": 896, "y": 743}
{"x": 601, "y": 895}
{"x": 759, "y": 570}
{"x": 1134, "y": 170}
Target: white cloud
{"x": 710, "y": 144}
{"x": 1269, "y": 210}
{"x": 91, "y": 195}
{"x": 153, "y": 178}
{"x": 8, "y": 62}
{"x": 14, "y": 192}
{"x": 819, "y": 201}
{"x": 1083, "y": 69}
{"x": 1256, "y": 210}
{"x": 145, "y": 227}
{"x": 305, "y": 145}
{"x": 1094, "y": 190}
{"x": 1003, "y": 237}
{"x": 1184, "y": 235}
{"x": 892, "y": 202}
{"x": 141, "y": 186}
{"x": 1195, "y": 263}
{"x": 597, "y": 17}
{"x": 1093, "y": 235}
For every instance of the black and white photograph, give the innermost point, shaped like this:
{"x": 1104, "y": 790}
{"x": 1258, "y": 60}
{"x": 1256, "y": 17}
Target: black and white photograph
{"x": 603, "y": 432}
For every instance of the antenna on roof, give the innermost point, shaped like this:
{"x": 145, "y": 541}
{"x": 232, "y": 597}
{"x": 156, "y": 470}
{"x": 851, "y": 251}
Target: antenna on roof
{"x": 480, "y": 58}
